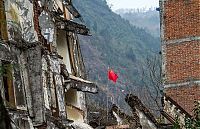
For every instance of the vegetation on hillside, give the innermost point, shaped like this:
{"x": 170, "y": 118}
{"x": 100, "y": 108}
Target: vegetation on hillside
{"x": 116, "y": 44}
{"x": 148, "y": 19}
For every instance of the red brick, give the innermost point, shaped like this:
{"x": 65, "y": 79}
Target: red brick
{"x": 185, "y": 96}
{"x": 37, "y": 12}
{"x": 181, "y": 19}
{"x": 183, "y": 62}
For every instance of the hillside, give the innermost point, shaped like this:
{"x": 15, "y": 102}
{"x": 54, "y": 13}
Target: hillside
{"x": 148, "y": 19}
{"x": 116, "y": 44}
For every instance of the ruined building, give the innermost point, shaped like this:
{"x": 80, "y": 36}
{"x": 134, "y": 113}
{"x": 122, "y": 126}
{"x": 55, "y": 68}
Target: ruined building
{"x": 139, "y": 117}
{"x": 43, "y": 80}
{"x": 180, "y": 35}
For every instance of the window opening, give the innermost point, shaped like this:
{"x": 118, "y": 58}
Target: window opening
{"x": 8, "y": 83}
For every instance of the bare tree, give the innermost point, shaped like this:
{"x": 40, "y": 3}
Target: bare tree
{"x": 152, "y": 90}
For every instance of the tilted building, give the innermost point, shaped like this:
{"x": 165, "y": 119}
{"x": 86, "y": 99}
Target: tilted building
{"x": 43, "y": 80}
{"x": 180, "y": 35}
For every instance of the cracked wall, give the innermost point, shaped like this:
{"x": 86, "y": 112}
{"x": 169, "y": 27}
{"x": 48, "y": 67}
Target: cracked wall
{"x": 33, "y": 80}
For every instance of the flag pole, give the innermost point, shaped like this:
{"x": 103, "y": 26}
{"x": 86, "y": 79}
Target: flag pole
{"x": 107, "y": 103}
{"x": 107, "y": 98}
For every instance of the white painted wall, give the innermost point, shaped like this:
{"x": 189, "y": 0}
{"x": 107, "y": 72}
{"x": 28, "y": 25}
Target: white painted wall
{"x": 63, "y": 49}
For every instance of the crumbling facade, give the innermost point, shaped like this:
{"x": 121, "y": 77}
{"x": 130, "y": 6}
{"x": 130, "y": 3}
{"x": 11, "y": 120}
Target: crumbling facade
{"x": 42, "y": 78}
{"x": 180, "y": 35}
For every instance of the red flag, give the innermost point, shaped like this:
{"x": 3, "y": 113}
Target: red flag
{"x": 112, "y": 75}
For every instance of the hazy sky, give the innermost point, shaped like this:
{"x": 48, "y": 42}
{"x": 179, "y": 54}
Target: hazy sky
{"x": 116, "y": 4}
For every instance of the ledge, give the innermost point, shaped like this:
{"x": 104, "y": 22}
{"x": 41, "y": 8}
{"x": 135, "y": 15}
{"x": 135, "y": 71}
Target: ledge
{"x": 181, "y": 84}
{"x": 73, "y": 27}
{"x": 19, "y": 110}
{"x": 181, "y": 40}
{"x": 75, "y": 108}
{"x": 69, "y": 25}
{"x": 81, "y": 84}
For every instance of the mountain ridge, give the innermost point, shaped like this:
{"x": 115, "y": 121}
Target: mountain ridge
{"x": 146, "y": 19}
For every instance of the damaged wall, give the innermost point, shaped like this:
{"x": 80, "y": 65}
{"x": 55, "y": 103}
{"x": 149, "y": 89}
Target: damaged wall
{"x": 35, "y": 50}
{"x": 19, "y": 111}
{"x": 19, "y": 15}
{"x": 58, "y": 81}
{"x": 34, "y": 78}
{"x": 74, "y": 103}
{"x": 34, "y": 63}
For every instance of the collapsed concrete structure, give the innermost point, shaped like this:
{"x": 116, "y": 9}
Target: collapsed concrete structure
{"x": 43, "y": 80}
{"x": 139, "y": 118}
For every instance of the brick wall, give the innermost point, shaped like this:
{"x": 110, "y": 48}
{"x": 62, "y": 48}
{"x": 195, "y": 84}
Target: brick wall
{"x": 118, "y": 127}
{"x": 181, "y": 18}
{"x": 37, "y": 12}
{"x": 183, "y": 62}
{"x": 185, "y": 96}
{"x": 181, "y": 50}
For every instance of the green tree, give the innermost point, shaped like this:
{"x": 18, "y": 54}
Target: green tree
{"x": 191, "y": 123}
{"x": 176, "y": 124}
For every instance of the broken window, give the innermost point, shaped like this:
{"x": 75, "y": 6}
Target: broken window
{"x": 3, "y": 28}
{"x": 63, "y": 49}
{"x": 8, "y": 83}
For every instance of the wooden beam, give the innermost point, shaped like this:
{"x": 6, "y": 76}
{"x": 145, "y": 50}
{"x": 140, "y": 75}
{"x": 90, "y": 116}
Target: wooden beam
{"x": 71, "y": 8}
